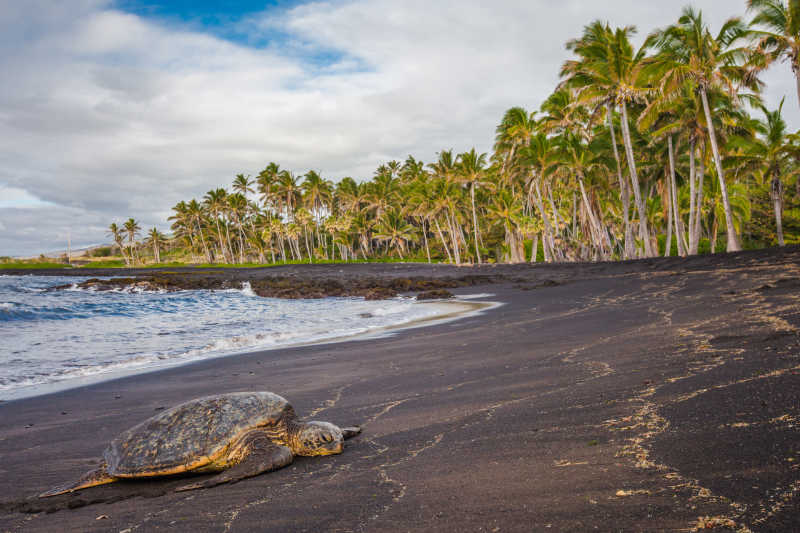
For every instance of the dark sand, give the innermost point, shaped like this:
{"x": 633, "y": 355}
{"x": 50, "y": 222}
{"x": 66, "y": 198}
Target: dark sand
{"x": 614, "y": 397}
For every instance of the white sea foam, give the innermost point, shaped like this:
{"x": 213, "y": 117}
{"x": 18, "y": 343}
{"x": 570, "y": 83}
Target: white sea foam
{"x": 475, "y": 296}
{"x": 247, "y": 290}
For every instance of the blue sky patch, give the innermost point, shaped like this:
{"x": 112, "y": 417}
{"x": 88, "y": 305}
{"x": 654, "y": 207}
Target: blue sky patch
{"x": 229, "y": 20}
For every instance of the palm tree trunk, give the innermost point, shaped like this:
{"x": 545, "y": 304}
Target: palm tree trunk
{"x": 623, "y": 188}
{"x": 733, "y": 239}
{"x": 454, "y": 239}
{"x": 668, "y": 242}
{"x": 441, "y": 237}
{"x": 535, "y": 248}
{"x": 547, "y": 237}
{"x": 474, "y": 221}
{"x": 797, "y": 81}
{"x": 595, "y": 230}
{"x": 698, "y": 226}
{"x": 644, "y": 233}
{"x": 692, "y": 192}
{"x": 674, "y": 195}
{"x": 425, "y": 236}
{"x": 777, "y": 201}
{"x": 310, "y": 255}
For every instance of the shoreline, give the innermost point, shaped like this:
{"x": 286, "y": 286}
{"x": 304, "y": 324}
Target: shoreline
{"x": 467, "y": 308}
{"x": 656, "y": 395}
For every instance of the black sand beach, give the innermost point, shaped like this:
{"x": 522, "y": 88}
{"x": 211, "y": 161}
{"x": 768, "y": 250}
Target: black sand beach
{"x": 636, "y": 396}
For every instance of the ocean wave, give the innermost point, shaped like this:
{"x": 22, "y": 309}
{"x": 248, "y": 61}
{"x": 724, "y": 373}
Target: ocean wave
{"x": 80, "y": 334}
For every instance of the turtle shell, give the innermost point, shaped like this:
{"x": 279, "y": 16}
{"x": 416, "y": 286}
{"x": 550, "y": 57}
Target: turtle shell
{"x": 193, "y": 434}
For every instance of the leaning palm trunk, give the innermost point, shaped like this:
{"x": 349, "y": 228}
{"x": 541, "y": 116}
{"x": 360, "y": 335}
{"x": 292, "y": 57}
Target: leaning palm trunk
{"x": 203, "y": 240}
{"x": 733, "y": 240}
{"x": 644, "y": 233}
{"x": 596, "y": 231}
{"x": 623, "y": 188}
{"x": 475, "y": 222}
{"x": 547, "y": 237}
{"x": 674, "y": 196}
{"x": 777, "y": 202}
{"x": 444, "y": 242}
{"x": 221, "y": 241}
{"x": 454, "y": 239}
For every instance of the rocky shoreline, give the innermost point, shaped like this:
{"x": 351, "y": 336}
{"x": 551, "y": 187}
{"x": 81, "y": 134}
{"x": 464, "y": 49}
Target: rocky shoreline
{"x": 288, "y": 287}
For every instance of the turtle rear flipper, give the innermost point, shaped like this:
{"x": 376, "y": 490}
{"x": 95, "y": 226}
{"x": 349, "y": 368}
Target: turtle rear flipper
{"x": 99, "y": 476}
{"x": 262, "y": 456}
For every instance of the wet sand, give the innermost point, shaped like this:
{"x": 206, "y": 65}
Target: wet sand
{"x": 634, "y": 396}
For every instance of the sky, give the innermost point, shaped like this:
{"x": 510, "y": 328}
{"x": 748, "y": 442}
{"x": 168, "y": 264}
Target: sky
{"x": 116, "y": 109}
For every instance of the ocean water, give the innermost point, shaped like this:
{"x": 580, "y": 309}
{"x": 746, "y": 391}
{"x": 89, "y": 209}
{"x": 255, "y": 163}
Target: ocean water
{"x": 57, "y": 339}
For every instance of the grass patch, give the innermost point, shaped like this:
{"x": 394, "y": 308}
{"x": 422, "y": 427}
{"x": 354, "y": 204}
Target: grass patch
{"x": 32, "y": 266}
{"x": 113, "y": 263}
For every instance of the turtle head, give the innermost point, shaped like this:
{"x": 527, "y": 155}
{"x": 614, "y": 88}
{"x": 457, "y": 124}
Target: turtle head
{"x": 317, "y": 438}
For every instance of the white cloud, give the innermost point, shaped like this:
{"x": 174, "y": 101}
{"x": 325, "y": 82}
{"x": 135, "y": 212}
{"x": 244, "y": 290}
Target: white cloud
{"x": 110, "y": 115}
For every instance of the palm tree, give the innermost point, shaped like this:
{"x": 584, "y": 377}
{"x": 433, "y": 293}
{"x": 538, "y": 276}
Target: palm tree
{"x": 539, "y": 158}
{"x": 773, "y": 153}
{"x": 288, "y": 193}
{"x": 196, "y": 214}
{"x": 393, "y": 229}
{"x": 216, "y": 200}
{"x": 471, "y": 171}
{"x": 780, "y": 36}
{"x": 608, "y": 75}
{"x": 132, "y": 228}
{"x": 155, "y": 238}
{"x": 116, "y": 233}
{"x": 242, "y": 184}
{"x": 688, "y": 53}
{"x": 265, "y": 183}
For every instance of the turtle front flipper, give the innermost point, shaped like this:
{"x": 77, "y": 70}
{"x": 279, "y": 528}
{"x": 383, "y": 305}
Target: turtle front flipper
{"x": 92, "y": 478}
{"x": 259, "y": 454}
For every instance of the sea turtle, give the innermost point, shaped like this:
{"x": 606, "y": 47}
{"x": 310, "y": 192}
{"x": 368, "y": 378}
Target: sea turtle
{"x": 240, "y": 435}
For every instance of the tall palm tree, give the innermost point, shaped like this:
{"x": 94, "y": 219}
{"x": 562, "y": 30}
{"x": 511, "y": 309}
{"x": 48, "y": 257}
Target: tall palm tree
{"x": 242, "y": 184}
{"x": 155, "y": 239}
{"x": 288, "y": 192}
{"x": 132, "y": 228}
{"x": 394, "y": 230}
{"x": 117, "y": 234}
{"x": 471, "y": 171}
{"x": 608, "y": 75}
{"x": 216, "y": 200}
{"x": 196, "y": 214}
{"x": 689, "y": 53}
{"x": 265, "y": 185}
{"x": 776, "y": 25}
{"x": 539, "y": 158}
{"x": 773, "y": 153}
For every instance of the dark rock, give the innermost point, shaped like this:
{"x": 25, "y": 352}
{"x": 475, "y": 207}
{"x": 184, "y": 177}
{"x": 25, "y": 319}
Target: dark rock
{"x": 438, "y": 294}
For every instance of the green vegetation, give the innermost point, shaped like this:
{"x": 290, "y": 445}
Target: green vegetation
{"x": 111, "y": 263}
{"x": 635, "y": 148}
{"x": 31, "y": 265}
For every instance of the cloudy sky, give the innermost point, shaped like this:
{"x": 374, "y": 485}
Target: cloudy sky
{"x": 112, "y": 109}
